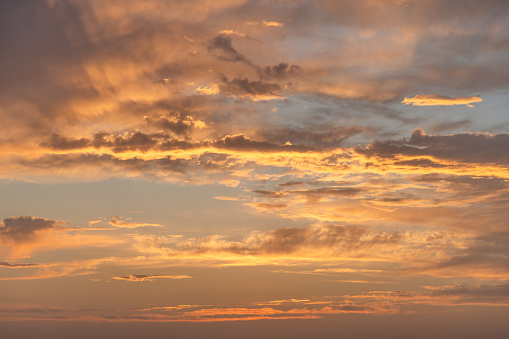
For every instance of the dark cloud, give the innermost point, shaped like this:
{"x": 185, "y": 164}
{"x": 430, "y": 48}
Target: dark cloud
{"x": 281, "y": 71}
{"x": 314, "y": 135}
{"x": 485, "y": 256}
{"x": 95, "y": 162}
{"x": 34, "y": 45}
{"x": 177, "y": 123}
{"x": 483, "y": 295}
{"x": 240, "y": 87}
{"x": 447, "y": 126}
{"x": 269, "y": 194}
{"x": 420, "y": 163}
{"x": 292, "y": 183}
{"x": 336, "y": 238}
{"x": 138, "y": 141}
{"x": 315, "y": 195}
{"x": 464, "y": 147}
{"x": 241, "y": 142}
{"x": 23, "y": 229}
{"x": 222, "y": 46}
{"x": 6, "y": 264}
{"x": 58, "y": 142}
{"x": 477, "y": 293}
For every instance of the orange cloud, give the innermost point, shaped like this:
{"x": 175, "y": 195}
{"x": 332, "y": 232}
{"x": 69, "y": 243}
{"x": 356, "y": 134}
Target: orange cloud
{"x": 120, "y": 223}
{"x": 24, "y": 235}
{"x": 440, "y": 100}
{"x": 145, "y": 277}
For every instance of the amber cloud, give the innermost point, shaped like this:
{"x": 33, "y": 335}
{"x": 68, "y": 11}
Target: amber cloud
{"x": 278, "y": 169}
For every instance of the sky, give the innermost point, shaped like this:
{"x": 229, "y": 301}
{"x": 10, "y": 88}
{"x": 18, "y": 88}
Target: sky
{"x": 241, "y": 168}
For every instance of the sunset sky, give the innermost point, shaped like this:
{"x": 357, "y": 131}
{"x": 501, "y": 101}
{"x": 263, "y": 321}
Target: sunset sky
{"x": 254, "y": 169}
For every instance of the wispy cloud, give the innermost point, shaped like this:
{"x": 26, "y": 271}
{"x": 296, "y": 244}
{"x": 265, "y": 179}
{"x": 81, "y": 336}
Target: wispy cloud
{"x": 145, "y": 277}
{"x": 440, "y": 100}
{"x": 121, "y": 223}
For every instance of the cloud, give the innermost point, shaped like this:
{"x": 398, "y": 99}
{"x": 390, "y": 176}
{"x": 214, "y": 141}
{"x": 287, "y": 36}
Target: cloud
{"x": 319, "y": 135}
{"x": 483, "y": 148}
{"x": 484, "y": 257}
{"x": 121, "y": 223}
{"x": 231, "y": 32}
{"x": 272, "y": 23}
{"x": 255, "y": 90}
{"x": 266, "y": 23}
{"x": 177, "y": 123}
{"x": 25, "y": 228}
{"x": 145, "y": 277}
{"x": 241, "y": 142}
{"x": 9, "y": 265}
{"x": 281, "y": 71}
{"x": 440, "y": 100}
{"x": 275, "y": 310}
{"x": 318, "y": 241}
{"x": 222, "y": 46}
{"x": 26, "y": 234}
{"x": 479, "y": 295}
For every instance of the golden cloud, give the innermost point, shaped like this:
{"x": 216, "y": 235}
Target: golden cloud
{"x": 440, "y": 100}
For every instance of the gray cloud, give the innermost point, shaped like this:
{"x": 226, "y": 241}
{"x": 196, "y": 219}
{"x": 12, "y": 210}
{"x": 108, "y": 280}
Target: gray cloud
{"x": 7, "y": 264}
{"x": 244, "y": 87}
{"x": 23, "y": 229}
{"x": 241, "y": 142}
{"x": 222, "y": 46}
{"x": 314, "y": 134}
{"x": 178, "y": 123}
{"x": 336, "y": 238}
{"x": 483, "y": 295}
{"x": 138, "y": 141}
{"x": 280, "y": 71}
{"x": 464, "y": 147}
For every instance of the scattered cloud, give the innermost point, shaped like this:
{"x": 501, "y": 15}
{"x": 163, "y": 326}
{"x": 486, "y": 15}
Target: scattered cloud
{"x": 162, "y": 91}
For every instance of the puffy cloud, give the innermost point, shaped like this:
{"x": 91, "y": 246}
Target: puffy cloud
{"x": 318, "y": 242}
{"x": 25, "y": 228}
{"x": 178, "y": 123}
{"x": 440, "y": 100}
{"x": 281, "y": 71}
{"x": 255, "y": 90}
{"x": 27, "y": 234}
